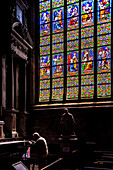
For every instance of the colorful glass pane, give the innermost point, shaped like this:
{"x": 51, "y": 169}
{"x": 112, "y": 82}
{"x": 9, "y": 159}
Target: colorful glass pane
{"x": 45, "y": 50}
{"x": 104, "y": 78}
{"x": 58, "y": 14}
{"x": 104, "y": 40}
{"x": 45, "y": 29}
{"x": 87, "y": 6}
{"x": 72, "y": 1}
{"x": 72, "y": 45}
{"x": 45, "y": 73}
{"x": 57, "y": 3}
{"x": 72, "y": 57}
{"x": 57, "y": 83}
{"x": 72, "y": 23}
{"x": 72, "y": 81}
{"x": 57, "y": 71}
{"x": 87, "y": 55}
{"x": 87, "y": 80}
{"x": 104, "y": 65}
{"x": 56, "y": 48}
{"x": 72, "y": 35}
{"x": 87, "y": 92}
{"x": 104, "y": 91}
{"x": 57, "y": 38}
{"x": 103, "y": 17}
{"x": 72, "y": 93}
{"x": 87, "y": 19}
{"x": 87, "y": 32}
{"x": 44, "y": 40}
{"x": 45, "y": 5}
{"x": 104, "y": 28}
{"x": 44, "y": 17}
{"x": 87, "y": 67}
{"x": 58, "y": 26}
{"x": 72, "y": 69}
{"x": 44, "y": 95}
{"x": 73, "y": 10}
{"x": 87, "y": 43}
{"x": 44, "y": 61}
{"x": 57, "y": 94}
{"x": 103, "y": 4}
{"x": 103, "y": 52}
{"x": 44, "y": 84}
{"x": 57, "y": 59}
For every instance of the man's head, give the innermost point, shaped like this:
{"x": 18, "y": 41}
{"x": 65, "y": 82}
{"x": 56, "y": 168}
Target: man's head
{"x": 66, "y": 110}
{"x": 35, "y": 136}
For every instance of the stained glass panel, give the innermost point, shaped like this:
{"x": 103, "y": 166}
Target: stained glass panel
{"x": 87, "y": 32}
{"x": 44, "y": 40}
{"x": 45, "y": 17}
{"x": 45, "y": 5}
{"x": 72, "y": 81}
{"x": 104, "y": 78}
{"x": 103, "y": 5}
{"x": 45, "y": 29}
{"x": 72, "y": 57}
{"x": 87, "y": 6}
{"x": 104, "y": 65}
{"x": 104, "y": 16}
{"x": 57, "y": 71}
{"x": 87, "y": 80}
{"x": 104, "y": 90}
{"x": 58, "y": 26}
{"x": 56, "y": 48}
{"x": 57, "y": 94}
{"x": 57, "y": 3}
{"x": 104, "y": 28}
{"x": 104, "y": 40}
{"x": 57, "y": 38}
{"x": 44, "y": 95}
{"x": 72, "y": 93}
{"x": 72, "y": 1}
{"x": 72, "y": 45}
{"x": 87, "y": 92}
{"x": 103, "y": 52}
{"x": 45, "y": 73}
{"x": 57, "y": 59}
{"x": 44, "y": 61}
{"x": 44, "y": 84}
{"x": 72, "y": 35}
{"x": 57, "y": 83}
{"x": 72, "y": 23}
{"x": 45, "y": 50}
{"x": 72, "y": 69}
{"x": 58, "y": 14}
{"x": 87, "y": 43}
{"x": 73, "y": 10}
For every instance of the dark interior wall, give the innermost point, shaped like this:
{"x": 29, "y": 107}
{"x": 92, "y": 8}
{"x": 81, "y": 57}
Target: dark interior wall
{"x": 92, "y": 124}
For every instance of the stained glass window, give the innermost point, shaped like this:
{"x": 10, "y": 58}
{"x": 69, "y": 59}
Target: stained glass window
{"x": 103, "y": 48}
{"x": 75, "y": 50}
{"x": 44, "y": 94}
{"x": 87, "y": 49}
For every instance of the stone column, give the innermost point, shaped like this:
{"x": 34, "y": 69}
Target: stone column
{"x": 1, "y": 129}
{"x": 17, "y": 86}
{"x": 12, "y": 79}
{"x": 4, "y": 81}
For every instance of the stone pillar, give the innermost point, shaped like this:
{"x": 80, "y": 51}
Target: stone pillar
{"x": 17, "y": 86}
{"x": 23, "y": 95}
{"x": 4, "y": 81}
{"x": 10, "y": 113}
{"x": 1, "y": 129}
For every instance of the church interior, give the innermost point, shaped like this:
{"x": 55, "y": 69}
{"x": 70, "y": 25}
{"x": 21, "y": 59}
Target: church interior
{"x": 57, "y": 55}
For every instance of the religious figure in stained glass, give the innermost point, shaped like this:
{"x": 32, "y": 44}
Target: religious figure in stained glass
{"x": 57, "y": 59}
{"x": 73, "y": 10}
{"x": 87, "y": 65}
{"x": 104, "y": 62}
